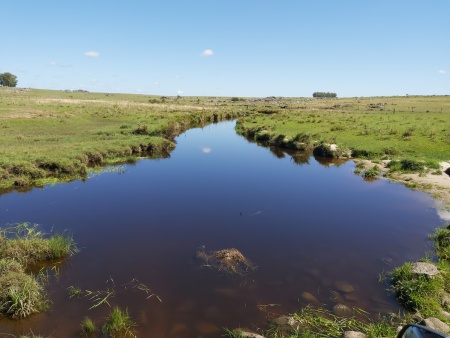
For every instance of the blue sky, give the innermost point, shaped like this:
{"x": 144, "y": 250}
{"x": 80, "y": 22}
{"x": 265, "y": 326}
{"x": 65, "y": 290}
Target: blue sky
{"x": 259, "y": 48}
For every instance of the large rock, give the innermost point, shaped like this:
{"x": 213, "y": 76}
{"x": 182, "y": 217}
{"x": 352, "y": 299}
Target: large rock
{"x": 309, "y": 298}
{"x": 423, "y": 268}
{"x": 354, "y": 334}
{"x": 436, "y": 324}
{"x": 342, "y": 310}
{"x": 343, "y": 287}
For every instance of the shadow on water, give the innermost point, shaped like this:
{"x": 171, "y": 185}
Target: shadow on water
{"x": 314, "y": 233}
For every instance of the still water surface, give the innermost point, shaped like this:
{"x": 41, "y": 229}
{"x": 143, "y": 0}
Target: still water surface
{"x": 305, "y": 227}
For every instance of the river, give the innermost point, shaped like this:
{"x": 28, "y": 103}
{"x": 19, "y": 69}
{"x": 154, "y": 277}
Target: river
{"x": 308, "y": 228}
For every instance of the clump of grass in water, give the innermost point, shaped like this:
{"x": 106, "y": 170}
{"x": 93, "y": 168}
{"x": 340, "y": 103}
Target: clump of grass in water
{"x": 372, "y": 173}
{"x": 88, "y": 327}
{"x": 119, "y": 323}
{"x": 226, "y": 260}
{"x": 22, "y": 294}
{"x": 24, "y": 243}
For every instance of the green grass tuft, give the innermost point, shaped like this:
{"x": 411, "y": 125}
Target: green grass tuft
{"x": 119, "y": 323}
{"x": 88, "y": 327}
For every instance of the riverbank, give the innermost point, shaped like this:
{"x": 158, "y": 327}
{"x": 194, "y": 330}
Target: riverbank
{"x": 51, "y": 136}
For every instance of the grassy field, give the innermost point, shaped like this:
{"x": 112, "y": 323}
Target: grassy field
{"x": 58, "y": 134}
{"x": 381, "y": 127}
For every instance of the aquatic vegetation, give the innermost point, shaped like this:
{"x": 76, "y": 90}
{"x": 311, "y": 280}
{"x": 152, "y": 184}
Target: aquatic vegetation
{"x": 21, "y": 294}
{"x": 226, "y": 260}
{"x": 22, "y": 246}
{"x": 119, "y": 323}
{"x": 26, "y": 244}
{"x": 88, "y": 327}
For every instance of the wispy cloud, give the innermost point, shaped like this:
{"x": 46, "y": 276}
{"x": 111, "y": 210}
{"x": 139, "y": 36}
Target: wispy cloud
{"x": 52, "y": 63}
{"x": 179, "y": 92}
{"x": 441, "y": 71}
{"x": 207, "y": 52}
{"x": 94, "y": 80}
{"x": 92, "y": 54}
{"x": 206, "y": 150}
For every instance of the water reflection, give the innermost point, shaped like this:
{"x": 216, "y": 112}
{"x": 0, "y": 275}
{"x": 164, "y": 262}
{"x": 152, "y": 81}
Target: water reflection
{"x": 315, "y": 234}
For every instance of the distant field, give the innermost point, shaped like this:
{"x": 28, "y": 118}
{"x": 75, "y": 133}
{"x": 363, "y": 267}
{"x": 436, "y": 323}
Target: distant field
{"x": 61, "y": 134}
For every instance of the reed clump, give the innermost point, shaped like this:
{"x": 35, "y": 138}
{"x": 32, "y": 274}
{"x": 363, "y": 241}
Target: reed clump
{"x": 22, "y": 248}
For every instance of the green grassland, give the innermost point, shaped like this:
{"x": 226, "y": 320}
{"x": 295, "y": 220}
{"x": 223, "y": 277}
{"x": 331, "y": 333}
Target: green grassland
{"x": 57, "y": 134}
{"x": 381, "y": 127}
{"x": 60, "y": 135}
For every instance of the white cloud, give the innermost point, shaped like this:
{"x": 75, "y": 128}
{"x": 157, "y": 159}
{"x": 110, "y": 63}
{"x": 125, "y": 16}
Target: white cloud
{"x": 92, "y": 54}
{"x": 207, "y": 52}
{"x": 179, "y": 92}
{"x": 53, "y": 63}
{"x": 156, "y": 83}
{"x": 206, "y": 150}
{"x": 94, "y": 80}
{"x": 442, "y": 71}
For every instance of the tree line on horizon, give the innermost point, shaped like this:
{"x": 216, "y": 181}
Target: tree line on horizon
{"x": 324, "y": 94}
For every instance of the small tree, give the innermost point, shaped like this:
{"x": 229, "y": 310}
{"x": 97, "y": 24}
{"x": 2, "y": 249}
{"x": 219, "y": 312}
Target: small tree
{"x": 8, "y": 80}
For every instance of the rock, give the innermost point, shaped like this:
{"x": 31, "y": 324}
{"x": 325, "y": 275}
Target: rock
{"x": 178, "y": 330}
{"x": 206, "y": 327}
{"x": 446, "y": 301}
{"x": 435, "y": 324}
{"x": 417, "y": 317}
{"x": 326, "y": 150}
{"x": 247, "y": 333}
{"x": 422, "y": 268}
{"x": 350, "y": 297}
{"x": 310, "y": 298}
{"x": 286, "y": 321}
{"x": 354, "y": 334}
{"x": 445, "y": 314}
{"x": 343, "y": 287}
{"x": 342, "y": 310}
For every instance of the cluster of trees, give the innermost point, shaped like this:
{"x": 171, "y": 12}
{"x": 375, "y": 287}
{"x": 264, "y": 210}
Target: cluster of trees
{"x": 8, "y": 80}
{"x": 323, "y": 94}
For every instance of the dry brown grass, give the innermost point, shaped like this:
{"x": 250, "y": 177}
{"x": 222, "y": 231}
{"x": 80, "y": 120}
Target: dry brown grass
{"x": 226, "y": 260}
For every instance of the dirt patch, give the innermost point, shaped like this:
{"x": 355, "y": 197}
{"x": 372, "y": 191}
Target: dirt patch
{"x": 225, "y": 260}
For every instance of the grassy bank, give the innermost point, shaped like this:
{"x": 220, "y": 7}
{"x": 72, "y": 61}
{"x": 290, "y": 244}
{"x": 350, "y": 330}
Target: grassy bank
{"x": 374, "y": 128}
{"x": 58, "y": 134}
{"x": 48, "y": 135}
{"x": 24, "y": 249}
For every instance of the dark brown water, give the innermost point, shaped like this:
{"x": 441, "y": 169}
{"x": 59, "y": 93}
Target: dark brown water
{"x": 305, "y": 227}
